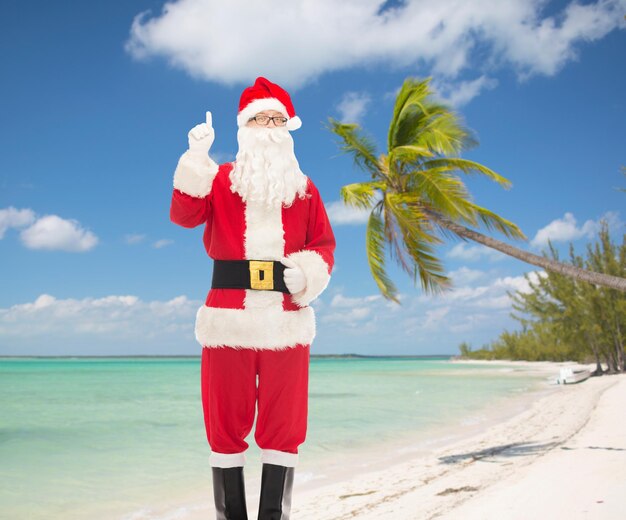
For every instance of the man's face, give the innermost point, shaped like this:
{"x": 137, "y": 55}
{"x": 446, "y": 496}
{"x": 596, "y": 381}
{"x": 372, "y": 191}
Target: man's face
{"x": 266, "y": 169}
{"x": 269, "y": 113}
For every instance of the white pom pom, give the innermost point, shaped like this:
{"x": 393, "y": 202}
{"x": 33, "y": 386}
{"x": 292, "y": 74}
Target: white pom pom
{"x": 294, "y": 123}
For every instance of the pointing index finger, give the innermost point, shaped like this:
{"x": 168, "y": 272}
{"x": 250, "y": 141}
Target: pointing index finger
{"x": 209, "y": 119}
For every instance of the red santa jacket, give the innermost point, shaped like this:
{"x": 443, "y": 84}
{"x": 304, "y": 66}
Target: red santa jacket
{"x": 236, "y": 230}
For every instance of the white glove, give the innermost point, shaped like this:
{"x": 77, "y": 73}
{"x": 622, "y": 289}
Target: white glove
{"x": 201, "y": 137}
{"x": 294, "y": 276}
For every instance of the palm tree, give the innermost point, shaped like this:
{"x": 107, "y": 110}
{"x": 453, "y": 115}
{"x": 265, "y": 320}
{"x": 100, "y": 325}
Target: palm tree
{"x": 413, "y": 193}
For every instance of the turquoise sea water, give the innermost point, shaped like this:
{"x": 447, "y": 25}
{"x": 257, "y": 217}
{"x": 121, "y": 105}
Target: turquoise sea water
{"x": 124, "y": 438}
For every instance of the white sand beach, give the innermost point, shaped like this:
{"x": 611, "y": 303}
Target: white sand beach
{"x": 562, "y": 457}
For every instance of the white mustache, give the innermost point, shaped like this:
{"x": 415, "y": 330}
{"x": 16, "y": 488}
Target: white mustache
{"x": 274, "y": 135}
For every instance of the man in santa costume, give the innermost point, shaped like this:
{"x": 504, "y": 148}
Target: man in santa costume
{"x": 272, "y": 244}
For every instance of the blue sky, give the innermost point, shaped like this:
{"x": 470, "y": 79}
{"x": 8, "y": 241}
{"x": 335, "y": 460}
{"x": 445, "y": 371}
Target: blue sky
{"x": 97, "y": 99}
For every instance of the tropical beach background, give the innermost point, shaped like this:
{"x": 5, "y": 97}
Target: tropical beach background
{"x": 124, "y": 437}
{"x": 505, "y": 119}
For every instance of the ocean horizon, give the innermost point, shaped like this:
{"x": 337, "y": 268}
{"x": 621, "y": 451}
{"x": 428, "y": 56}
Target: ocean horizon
{"x": 346, "y": 355}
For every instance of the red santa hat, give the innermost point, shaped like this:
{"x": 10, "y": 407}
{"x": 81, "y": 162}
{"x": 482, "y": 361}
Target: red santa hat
{"x": 265, "y": 95}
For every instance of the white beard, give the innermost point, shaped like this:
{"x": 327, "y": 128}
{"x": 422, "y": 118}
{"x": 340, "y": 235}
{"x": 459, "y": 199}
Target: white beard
{"x": 266, "y": 169}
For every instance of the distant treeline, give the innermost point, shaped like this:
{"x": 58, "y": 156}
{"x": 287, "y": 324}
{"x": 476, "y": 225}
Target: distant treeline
{"x": 568, "y": 320}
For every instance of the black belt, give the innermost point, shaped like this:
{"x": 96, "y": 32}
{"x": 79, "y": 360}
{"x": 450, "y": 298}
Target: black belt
{"x": 264, "y": 275}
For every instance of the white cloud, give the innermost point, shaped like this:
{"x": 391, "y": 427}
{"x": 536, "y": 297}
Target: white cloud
{"x": 15, "y": 218}
{"x": 137, "y": 238}
{"x": 565, "y": 229}
{"x": 216, "y": 41}
{"x": 54, "y": 232}
{"x": 47, "y": 232}
{"x": 134, "y": 238}
{"x": 492, "y": 295}
{"x": 459, "y": 94}
{"x": 340, "y": 213}
{"x": 464, "y": 275}
{"x": 462, "y": 293}
{"x": 495, "y": 297}
{"x": 352, "y": 106}
{"x": 551, "y": 42}
{"x": 519, "y": 283}
{"x": 351, "y": 312}
{"x": 431, "y": 321}
{"x": 110, "y": 317}
{"x": 466, "y": 252}
{"x": 339, "y": 300}
{"x": 470, "y": 322}
{"x": 351, "y": 317}
{"x": 162, "y": 243}
{"x": 434, "y": 317}
{"x": 123, "y": 324}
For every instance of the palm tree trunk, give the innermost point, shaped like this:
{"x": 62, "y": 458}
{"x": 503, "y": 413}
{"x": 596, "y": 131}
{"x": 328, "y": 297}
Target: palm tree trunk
{"x": 612, "y": 282}
{"x": 611, "y": 361}
{"x": 596, "y": 354}
{"x": 619, "y": 354}
{"x": 619, "y": 345}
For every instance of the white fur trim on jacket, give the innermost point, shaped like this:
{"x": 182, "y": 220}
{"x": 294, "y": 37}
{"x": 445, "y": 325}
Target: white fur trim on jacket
{"x": 258, "y": 105}
{"x": 280, "y": 458}
{"x": 257, "y": 328}
{"x": 316, "y": 273}
{"x": 194, "y": 174}
{"x": 264, "y": 233}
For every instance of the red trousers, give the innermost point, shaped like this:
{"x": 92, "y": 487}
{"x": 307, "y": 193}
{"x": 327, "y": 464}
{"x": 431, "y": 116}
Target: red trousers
{"x": 230, "y": 394}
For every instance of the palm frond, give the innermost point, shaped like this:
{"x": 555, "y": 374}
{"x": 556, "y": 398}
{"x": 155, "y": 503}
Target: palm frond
{"x": 496, "y": 222}
{"x": 409, "y": 153}
{"x": 362, "y": 148}
{"x": 466, "y": 166}
{"x": 375, "y": 242}
{"x": 420, "y": 120}
{"x": 418, "y": 244}
{"x": 393, "y": 233}
{"x": 409, "y": 86}
{"x": 361, "y": 194}
{"x": 444, "y": 132}
{"x": 412, "y": 121}
{"x": 444, "y": 192}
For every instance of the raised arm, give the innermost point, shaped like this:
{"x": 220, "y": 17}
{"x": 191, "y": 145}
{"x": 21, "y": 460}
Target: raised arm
{"x": 194, "y": 177}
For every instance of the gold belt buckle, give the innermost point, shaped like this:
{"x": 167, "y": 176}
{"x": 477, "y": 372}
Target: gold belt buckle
{"x": 264, "y": 281}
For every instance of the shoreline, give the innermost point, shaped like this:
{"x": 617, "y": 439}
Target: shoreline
{"x": 443, "y": 472}
{"x": 463, "y": 472}
{"x": 424, "y": 480}
{"x": 414, "y": 445}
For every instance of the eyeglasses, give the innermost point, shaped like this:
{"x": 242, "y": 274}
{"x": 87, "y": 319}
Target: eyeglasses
{"x": 264, "y": 120}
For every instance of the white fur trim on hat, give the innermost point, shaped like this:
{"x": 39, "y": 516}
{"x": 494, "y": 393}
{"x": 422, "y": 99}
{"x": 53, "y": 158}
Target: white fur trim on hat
{"x": 194, "y": 174}
{"x": 315, "y": 272}
{"x": 258, "y": 105}
{"x": 257, "y": 328}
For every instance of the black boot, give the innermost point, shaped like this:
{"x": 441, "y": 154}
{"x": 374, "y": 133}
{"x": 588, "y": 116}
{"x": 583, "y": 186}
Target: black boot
{"x": 276, "y": 485}
{"x": 229, "y": 493}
